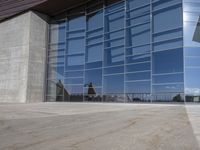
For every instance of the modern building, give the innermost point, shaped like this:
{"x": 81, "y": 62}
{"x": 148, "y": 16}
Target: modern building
{"x": 100, "y": 50}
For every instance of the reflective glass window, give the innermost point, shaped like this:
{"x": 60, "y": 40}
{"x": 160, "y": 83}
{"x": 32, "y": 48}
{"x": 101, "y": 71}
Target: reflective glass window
{"x": 74, "y": 74}
{"x": 94, "y": 53}
{"x": 138, "y": 87}
{"x": 76, "y": 22}
{"x": 138, "y": 76}
{"x": 138, "y": 67}
{"x": 76, "y": 46}
{"x": 138, "y": 20}
{"x": 138, "y": 35}
{"x": 73, "y": 81}
{"x": 114, "y": 84}
{"x": 114, "y": 21}
{"x": 139, "y": 12}
{"x": 114, "y": 56}
{"x": 166, "y": 45}
{"x": 192, "y": 82}
{"x": 168, "y": 88}
{"x": 167, "y": 19}
{"x": 113, "y": 70}
{"x": 74, "y": 89}
{"x": 168, "y": 35}
{"x": 95, "y": 20}
{"x": 138, "y": 50}
{"x": 94, "y": 77}
{"x": 138, "y": 58}
{"x": 169, "y": 78}
{"x": 163, "y": 4}
{"x": 133, "y": 4}
{"x": 168, "y": 61}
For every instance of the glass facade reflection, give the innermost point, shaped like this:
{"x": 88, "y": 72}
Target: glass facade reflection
{"x": 125, "y": 51}
{"x": 192, "y": 49}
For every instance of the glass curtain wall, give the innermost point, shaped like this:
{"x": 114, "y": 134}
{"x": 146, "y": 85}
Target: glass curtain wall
{"x": 117, "y": 51}
{"x": 167, "y": 51}
{"x": 192, "y": 49}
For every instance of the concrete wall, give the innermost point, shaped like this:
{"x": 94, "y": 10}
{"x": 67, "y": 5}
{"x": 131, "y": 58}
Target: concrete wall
{"x": 23, "y": 43}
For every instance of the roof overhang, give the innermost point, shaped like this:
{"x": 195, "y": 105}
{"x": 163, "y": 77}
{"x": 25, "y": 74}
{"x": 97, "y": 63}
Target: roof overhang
{"x": 49, "y": 7}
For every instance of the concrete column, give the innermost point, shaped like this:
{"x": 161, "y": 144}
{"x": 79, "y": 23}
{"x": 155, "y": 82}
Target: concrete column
{"x": 23, "y": 46}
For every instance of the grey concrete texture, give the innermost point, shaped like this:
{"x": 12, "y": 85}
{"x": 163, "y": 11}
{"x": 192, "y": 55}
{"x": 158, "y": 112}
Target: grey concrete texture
{"x": 94, "y": 126}
{"x": 23, "y": 45}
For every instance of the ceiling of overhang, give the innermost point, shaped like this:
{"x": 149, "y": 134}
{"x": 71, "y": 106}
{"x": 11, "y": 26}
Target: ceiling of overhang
{"x": 54, "y": 7}
{"x": 9, "y": 8}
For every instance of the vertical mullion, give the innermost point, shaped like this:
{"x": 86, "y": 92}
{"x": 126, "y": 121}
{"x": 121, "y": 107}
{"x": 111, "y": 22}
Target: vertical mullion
{"x": 151, "y": 48}
{"x": 184, "y": 69}
{"x": 66, "y": 52}
{"x": 125, "y": 17}
{"x": 85, "y": 13}
{"x": 103, "y": 45}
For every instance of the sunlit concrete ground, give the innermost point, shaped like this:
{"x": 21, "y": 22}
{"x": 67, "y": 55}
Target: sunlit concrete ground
{"x": 93, "y": 126}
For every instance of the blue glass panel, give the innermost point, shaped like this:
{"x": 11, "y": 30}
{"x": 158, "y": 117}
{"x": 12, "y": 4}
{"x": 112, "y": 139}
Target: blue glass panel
{"x": 138, "y": 76}
{"x": 77, "y": 22}
{"x": 138, "y": 58}
{"x": 94, "y": 77}
{"x": 192, "y": 51}
{"x": 97, "y": 90}
{"x": 73, "y": 81}
{"x": 96, "y": 39}
{"x": 169, "y": 78}
{"x": 114, "y": 84}
{"x": 192, "y": 82}
{"x": 74, "y": 89}
{"x": 114, "y": 56}
{"x": 76, "y": 34}
{"x": 138, "y": 35}
{"x": 170, "y": 44}
{"x": 138, "y": 87}
{"x": 113, "y": 70}
{"x": 167, "y": 19}
{"x": 75, "y": 60}
{"x": 114, "y": 21}
{"x": 94, "y": 33}
{"x": 166, "y": 3}
{"x": 139, "y": 12}
{"x": 138, "y": 20}
{"x": 191, "y": 16}
{"x": 95, "y": 20}
{"x": 94, "y": 53}
{"x": 113, "y": 43}
{"x": 168, "y": 35}
{"x": 91, "y": 65}
{"x": 168, "y": 88}
{"x": 138, "y": 67}
{"x": 74, "y": 74}
{"x": 114, "y": 7}
{"x": 132, "y": 4}
{"x": 114, "y": 35}
{"x": 168, "y": 61}
{"x": 192, "y": 61}
{"x": 192, "y": 6}
{"x": 76, "y": 46}
{"x": 138, "y": 50}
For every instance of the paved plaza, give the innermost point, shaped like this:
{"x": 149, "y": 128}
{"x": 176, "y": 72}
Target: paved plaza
{"x": 99, "y": 126}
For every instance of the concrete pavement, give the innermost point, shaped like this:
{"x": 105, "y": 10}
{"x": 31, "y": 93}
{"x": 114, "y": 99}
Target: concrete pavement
{"x": 94, "y": 126}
